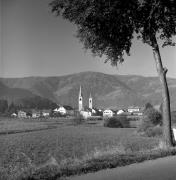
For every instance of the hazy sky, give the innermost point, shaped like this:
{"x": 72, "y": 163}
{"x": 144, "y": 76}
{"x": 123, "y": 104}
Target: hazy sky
{"x": 36, "y": 43}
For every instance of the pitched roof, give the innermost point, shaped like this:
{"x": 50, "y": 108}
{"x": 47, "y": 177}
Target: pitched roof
{"x": 68, "y": 107}
{"x": 80, "y": 92}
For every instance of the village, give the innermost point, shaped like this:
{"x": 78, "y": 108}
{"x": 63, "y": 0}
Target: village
{"x": 86, "y": 112}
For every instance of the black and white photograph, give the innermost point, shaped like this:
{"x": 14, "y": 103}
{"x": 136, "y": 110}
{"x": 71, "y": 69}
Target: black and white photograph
{"x": 87, "y": 89}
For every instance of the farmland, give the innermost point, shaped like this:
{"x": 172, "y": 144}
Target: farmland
{"x": 64, "y": 140}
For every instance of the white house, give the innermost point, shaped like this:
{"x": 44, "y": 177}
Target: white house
{"x": 86, "y": 114}
{"x": 21, "y": 114}
{"x": 133, "y": 109}
{"x": 107, "y": 113}
{"x": 13, "y": 115}
{"x": 121, "y": 111}
{"x": 139, "y": 113}
{"x": 45, "y": 112}
{"x": 60, "y": 110}
{"x": 35, "y": 114}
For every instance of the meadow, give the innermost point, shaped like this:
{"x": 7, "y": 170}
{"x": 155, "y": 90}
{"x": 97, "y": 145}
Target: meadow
{"x": 64, "y": 142}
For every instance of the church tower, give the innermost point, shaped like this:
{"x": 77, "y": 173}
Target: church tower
{"x": 90, "y": 101}
{"x": 80, "y": 100}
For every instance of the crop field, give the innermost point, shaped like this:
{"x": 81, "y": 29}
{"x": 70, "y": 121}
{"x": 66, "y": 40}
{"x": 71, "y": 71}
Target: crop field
{"x": 66, "y": 141}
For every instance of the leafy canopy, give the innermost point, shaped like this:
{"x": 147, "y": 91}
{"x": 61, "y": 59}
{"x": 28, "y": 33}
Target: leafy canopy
{"x": 107, "y": 27}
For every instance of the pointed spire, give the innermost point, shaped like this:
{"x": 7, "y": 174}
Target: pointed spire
{"x": 80, "y": 93}
{"x": 90, "y": 96}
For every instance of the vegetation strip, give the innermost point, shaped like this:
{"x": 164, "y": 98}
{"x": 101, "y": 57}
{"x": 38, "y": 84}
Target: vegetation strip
{"x": 95, "y": 164}
{"x": 25, "y": 131}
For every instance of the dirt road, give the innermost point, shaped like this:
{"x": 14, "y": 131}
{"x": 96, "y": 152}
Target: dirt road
{"x": 160, "y": 169}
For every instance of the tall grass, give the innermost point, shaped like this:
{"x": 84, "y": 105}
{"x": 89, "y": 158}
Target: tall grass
{"x": 67, "y": 149}
{"x": 96, "y": 160}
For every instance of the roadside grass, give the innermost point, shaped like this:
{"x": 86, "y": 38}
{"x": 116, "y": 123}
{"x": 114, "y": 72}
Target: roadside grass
{"x": 70, "y": 150}
{"x": 95, "y": 161}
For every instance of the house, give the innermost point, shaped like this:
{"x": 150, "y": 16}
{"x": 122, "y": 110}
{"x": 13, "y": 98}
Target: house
{"x": 94, "y": 111}
{"x": 60, "y": 110}
{"x": 139, "y": 113}
{"x": 36, "y": 114}
{"x": 86, "y": 114}
{"x": 133, "y": 109}
{"x": 22, "y": 114}
{"x": 45, "y": 113}
{"x": 108, "y": 113}
{"x": 14, "y": 115}
{"x": 56, "y": 110}
{"x": 121, "y": 111}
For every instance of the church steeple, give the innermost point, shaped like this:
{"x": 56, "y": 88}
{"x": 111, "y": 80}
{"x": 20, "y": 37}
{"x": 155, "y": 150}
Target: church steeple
{"x": 90, "y": 101}
{"x": 80, "y": 92}
{"x": 80, "y": 100}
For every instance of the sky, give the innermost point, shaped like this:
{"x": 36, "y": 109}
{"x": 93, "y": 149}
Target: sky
{"x": 34, "y": 42}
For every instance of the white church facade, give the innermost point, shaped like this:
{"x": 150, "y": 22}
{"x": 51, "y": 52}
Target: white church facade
{"x": 84, "y": 112}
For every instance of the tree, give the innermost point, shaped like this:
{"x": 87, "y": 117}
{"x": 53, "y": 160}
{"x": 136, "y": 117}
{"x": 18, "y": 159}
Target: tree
{"x": 108, "y": 27}
{"x": 147, "y": 106}
{"x": 12, "y": 108}
{"x": 3, "y": 106}
{"x": 153, "y": 116}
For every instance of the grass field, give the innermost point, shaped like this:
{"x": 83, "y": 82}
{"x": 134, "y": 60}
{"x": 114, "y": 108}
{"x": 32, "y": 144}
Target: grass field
{"x": 64, "y": 141}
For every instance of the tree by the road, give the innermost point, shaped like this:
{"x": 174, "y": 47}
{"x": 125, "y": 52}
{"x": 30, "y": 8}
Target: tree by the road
{"x": 108, "y": 27}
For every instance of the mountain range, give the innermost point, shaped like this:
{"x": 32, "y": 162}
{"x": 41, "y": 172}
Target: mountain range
{"x": 108, "y": 91}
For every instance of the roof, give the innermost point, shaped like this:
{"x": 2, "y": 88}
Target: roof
{"x": 87, "y": 109}
{"x": 121, "y": 110}
{"x": 108, "y": 110}
{"x": 68, "y": 107}
{"x": 21, "y": 111}
{"x": 80, "y": 92}
{"x": 133, "y": 107}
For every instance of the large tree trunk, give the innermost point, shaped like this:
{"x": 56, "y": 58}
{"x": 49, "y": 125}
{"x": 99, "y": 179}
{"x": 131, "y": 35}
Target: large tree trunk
{"x": 167, "y": 131}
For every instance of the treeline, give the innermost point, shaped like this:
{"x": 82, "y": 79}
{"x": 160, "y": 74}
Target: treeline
{"x": 26, "y": 103}
{"x": 37, "y": 103}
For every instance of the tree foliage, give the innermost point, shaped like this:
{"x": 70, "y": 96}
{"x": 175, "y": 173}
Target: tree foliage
{"x": 147, "y": 106}
{"x": 37, "y": 102}
{"x": 153, "y": 116}
{"x": 151, "y": 122}
{"x": 3, "y": 105}
{"x": 108, "y": 27}
{"x": 117, "y": 122}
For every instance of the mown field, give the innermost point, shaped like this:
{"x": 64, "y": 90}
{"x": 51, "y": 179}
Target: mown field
{"x": 64, "y": 141}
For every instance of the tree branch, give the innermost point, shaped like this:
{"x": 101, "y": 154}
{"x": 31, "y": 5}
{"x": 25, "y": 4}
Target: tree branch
{"x": 165, "y": 70}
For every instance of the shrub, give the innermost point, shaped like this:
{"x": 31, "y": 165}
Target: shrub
{"x": 154, "y": 131}
{"x": 151, "y": 123}
{"x": 147, "y": 106}
{"x": 94, "y": 118}
{"x": 153, "y": 116}
{"x": 117, "y": 122}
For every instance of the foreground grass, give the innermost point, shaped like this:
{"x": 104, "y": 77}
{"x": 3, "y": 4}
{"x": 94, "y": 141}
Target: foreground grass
{"x": 68, "y": 150}
{"x": 92, "y": 163}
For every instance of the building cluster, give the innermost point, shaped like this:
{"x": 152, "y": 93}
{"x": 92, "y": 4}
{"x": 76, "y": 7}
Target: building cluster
{"x": 136, "y": 111}
{"x": 57, "y": 112}
{"x": 90, "y": 111}
{"x": 86, "y": 112}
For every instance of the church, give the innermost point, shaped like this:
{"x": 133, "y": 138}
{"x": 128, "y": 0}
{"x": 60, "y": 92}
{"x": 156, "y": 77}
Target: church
{"x": 85, "y": 112}
{"x": 80, "y": 101}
